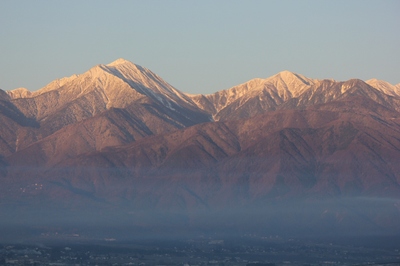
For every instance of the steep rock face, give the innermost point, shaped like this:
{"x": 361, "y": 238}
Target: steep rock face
{"x": 13, "y": 124}
{"x": 9, "y": 127}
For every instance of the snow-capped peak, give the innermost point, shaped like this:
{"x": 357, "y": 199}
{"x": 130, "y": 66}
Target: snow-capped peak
{"x": 286, "y": 74}
{"x": 119, "y": 61}
{"x": 145, "y": 81}
{"x": 290, "y": 77}
{"x": 289, "y": 84}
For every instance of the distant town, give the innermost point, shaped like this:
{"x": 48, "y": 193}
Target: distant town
{"x": 247, "y": 251}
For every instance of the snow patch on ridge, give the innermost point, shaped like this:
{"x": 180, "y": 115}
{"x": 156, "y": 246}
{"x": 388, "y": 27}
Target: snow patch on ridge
{"x": 384, "y": 86}
{"x": 284, "y": 85}
{"x": 19, "y": 93}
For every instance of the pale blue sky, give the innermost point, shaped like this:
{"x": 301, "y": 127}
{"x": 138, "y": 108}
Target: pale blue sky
{"x": 200, "y": 46}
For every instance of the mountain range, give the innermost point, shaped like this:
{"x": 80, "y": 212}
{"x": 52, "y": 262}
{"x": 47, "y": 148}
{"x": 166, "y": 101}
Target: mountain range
{"x": 118, "y": 137}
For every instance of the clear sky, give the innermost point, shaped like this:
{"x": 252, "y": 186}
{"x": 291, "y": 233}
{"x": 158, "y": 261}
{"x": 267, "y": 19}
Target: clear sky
{"x": 200, "y": 46}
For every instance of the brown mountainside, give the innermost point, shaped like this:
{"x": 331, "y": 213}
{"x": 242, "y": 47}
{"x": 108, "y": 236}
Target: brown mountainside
{"x": 118, "y": 136}
{"x": 322, "y": 150}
